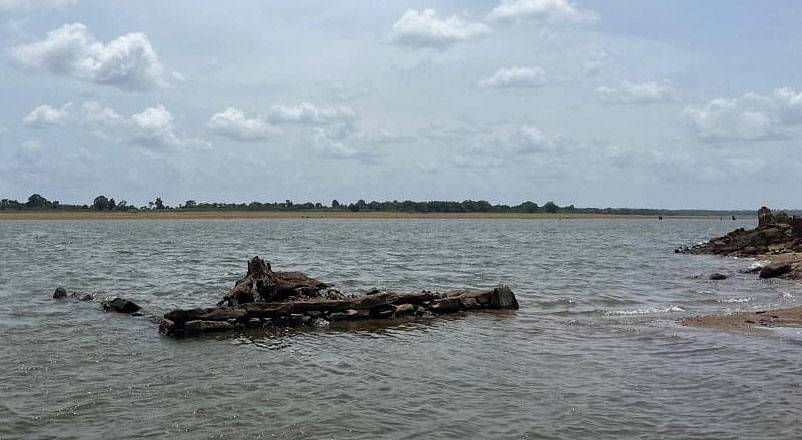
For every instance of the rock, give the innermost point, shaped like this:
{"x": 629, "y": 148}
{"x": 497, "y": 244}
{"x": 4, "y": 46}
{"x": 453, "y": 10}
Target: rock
{"x": 446, "y": 305}
{"x": 299, "y": 319}
{"x": 60, "y": 293}
{"x": 503, "y": 298}
{"x": 166, "y": 327}
{"x": 775, "y": 270}
{"x": 120, "y": 305}
{"x": 320, "y": 323}
{"x": 403, "y": 310}
{"x": 198, "y": 326}
{"x": 717, "y": 276}
{"x": 338, "y": 316}
{"x": 468, "y": 302}
{"x": 765, "y": 217}
{"x": 255, "y": 323}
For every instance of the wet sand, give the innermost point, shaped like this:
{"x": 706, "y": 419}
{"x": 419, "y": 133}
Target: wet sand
{"x": 755, "y": 320}
{"x": 170, "y": 214}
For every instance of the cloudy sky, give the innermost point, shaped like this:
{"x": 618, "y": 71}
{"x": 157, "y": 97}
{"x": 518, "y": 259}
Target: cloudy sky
{"x": 677, "y": 104}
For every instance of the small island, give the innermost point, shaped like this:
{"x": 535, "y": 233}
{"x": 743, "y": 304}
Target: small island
{"x": 265, "y": 299}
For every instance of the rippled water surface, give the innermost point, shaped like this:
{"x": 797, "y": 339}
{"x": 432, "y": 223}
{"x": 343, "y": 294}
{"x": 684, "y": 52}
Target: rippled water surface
{"x": 594, "y": 351}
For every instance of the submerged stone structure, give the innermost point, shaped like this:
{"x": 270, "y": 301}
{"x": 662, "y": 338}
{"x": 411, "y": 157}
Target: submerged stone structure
{"x": 264, "y": 298}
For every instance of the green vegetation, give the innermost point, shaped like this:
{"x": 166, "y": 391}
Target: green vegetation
{"x": 103, "y": 203}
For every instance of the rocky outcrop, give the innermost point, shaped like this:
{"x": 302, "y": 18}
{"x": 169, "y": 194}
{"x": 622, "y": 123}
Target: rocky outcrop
{"x": 270, "y": 299}
{"x": 773, "y": 234}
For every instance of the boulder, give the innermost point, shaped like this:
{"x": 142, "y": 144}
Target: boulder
{"x": 775, "y": 270}
{"x": 503, "y": 298}
{"x": 446, "y": 305}
{"x": 404, "y": 310}
{"x": 718, "y": 276}
{"x": 198, "y": 326}
{"x": 765, "y": 217}
{"x": 120, "y": 305}
{"x": 60, "y": 293}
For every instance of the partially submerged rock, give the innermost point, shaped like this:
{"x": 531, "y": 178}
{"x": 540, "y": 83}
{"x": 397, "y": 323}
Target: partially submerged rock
{"x": 774, "y": 270}
{"x": 120, "y": 305}
{"x": 60, "y": 293}
{"x": 266, "y": 298}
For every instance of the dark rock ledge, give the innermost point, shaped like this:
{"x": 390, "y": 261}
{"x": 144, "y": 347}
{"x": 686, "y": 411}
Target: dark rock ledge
{"x": 266, "y": 299}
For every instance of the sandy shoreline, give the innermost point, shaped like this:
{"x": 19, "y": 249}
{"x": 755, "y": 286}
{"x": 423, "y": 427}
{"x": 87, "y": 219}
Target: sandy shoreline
{"x": 178, "y": 215}
{"x": 750, "y": 321}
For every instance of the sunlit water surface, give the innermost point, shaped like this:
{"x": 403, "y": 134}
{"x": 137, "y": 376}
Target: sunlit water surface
{"x": 594, "y": 351}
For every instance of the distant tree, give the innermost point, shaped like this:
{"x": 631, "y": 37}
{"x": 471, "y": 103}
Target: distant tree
{"x": 150, "y": 205}
{"x": 550, "y": 207}
{"x": 122, "y": 206}
{"x": 159, "y": 204}
{"x": 100, "y": 203}
{"x": 190, "y": 204}
{"x": 37, "y": 201}
{"x": 288, "y": 203}
{"x": 112, "y": 204}
{"x": 335, "y": 204}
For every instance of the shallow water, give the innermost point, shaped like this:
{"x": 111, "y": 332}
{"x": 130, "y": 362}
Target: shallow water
{"x": 594, "y": 351}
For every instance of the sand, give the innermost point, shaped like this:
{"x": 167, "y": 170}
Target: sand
{"x": 170, "y": 214}
{"x": 755, "y": 320}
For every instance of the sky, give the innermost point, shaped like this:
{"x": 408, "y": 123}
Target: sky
{"x": 659, "y": 104}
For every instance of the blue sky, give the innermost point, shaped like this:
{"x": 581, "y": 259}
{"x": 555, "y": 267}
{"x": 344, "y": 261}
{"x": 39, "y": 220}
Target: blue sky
{"x": 677, "y": 104}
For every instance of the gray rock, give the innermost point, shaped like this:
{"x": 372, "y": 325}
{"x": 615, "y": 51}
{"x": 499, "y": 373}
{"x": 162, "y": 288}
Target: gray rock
{"x": 320, "y": 323}
{"x": 446, "y": 305}
{"x": 60, "y": 293}
{"x": 120, "y": 305}
{"x": 775, "y": 270}
{"x": 718, "y": 276}
{"x": 198, "y": 326}
{"x": 404, "y": 309}
{"x": 503, "y": 298}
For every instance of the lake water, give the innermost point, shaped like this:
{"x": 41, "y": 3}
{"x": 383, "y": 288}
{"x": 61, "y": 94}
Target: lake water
{"x": 594, "y": 351}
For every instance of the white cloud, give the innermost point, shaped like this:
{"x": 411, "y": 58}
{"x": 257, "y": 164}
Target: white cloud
{"x": 425, "y": 29}
{"x": 35, "y": 4}
{"x": 96, "y": 114}
{"x": 47, "y": 116}
{"x": 638, "y": 93}
{"x": 789, "y": 105}
{"x": 531, "y": 139}
{"x": 343, "y": 141}
{"x": 233, "y": 124}
{"x": 542, "y": 10}
{"x": 307, "y": 113}
{"x": 749, "y": 117}
{"x": 128, "y": 62}
{"x": 153, "y": 127}
{"x": 515, "y": 77}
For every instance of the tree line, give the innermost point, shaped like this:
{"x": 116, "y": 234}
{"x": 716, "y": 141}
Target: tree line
{"x": 104, "y": 203}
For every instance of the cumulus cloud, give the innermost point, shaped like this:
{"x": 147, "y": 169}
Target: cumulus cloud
{"x": 233, "y": 124}
{"x": 344, "y": 141}
{"x": 35, "y": 4}
{"x": 154, "y": 127}
{"x": 307, "y": 113}
{"x": 515, "y": 77}
{"x": 419, "y": 29}
{"x": 638, "y": 93}
{"x": 96, "y": 114}
{"x": 46, "y": 116}
{"x": 749, "y": 117}
{"x": 128, "y": 62}
{"x": 542, "y": 10}
{"x": 532, "y": 140}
